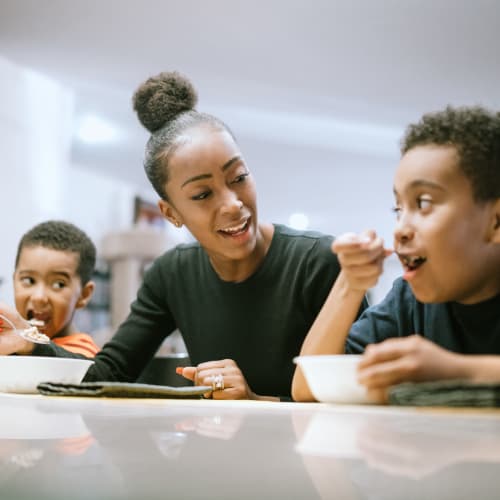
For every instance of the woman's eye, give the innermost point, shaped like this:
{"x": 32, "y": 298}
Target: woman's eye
{"x": 241, "y": 178}
{"x": 201, "y": 196}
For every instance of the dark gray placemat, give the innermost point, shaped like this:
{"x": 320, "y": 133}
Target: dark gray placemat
{"x": 445, "y": 393}
{"x": 121, "y": 390}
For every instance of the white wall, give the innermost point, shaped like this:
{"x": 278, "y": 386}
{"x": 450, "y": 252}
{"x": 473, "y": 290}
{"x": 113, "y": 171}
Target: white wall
{"x": 38, "y": 181}
{"x": 35, "y": 116}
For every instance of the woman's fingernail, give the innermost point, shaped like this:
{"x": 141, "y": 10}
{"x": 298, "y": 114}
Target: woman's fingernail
{"x": 179, "y": 370}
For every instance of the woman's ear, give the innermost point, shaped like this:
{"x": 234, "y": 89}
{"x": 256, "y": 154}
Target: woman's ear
{"x": 169, "y": 213}
{"x": 86, "y": 295}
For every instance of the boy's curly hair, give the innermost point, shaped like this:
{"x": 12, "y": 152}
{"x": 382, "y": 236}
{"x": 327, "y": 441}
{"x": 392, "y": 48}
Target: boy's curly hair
{"x": 63, "y": 236}
{"x": 475, "y": 133}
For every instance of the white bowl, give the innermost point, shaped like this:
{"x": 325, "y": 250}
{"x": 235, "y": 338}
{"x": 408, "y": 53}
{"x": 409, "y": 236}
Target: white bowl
{"x": 22, "y": 374}
{"x": 332, "y": 378}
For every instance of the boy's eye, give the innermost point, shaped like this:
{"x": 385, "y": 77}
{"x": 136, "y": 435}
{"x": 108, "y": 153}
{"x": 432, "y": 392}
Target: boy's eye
{"x": 27, "y": 281}
{"x": 397, "y": 210}
{"x": 424, "y": 203}
{"x": 201, "y": 196}
{"x": 58, "y": 285}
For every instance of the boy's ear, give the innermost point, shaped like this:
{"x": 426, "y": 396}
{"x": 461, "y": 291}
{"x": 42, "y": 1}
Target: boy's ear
{"x": 495, "y": 222}
{"x": 170, "y": 213}
{"x": 86, "y": 295}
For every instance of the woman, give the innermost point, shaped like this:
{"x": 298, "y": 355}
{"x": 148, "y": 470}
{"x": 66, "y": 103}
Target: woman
{"x": 246, "y": 293}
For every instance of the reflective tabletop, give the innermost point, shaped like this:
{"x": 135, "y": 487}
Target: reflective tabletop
{"x": 79, "y": 448}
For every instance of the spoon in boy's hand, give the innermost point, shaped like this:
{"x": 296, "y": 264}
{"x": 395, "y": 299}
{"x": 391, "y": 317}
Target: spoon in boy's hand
{"x": 30, "y": 332}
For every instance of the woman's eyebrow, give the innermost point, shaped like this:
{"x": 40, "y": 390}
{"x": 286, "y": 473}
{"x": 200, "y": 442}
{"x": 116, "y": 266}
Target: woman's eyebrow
{"x": 230, "y": 162}
{"x": 196, "y": 178}
{"x": 207, "y": 176}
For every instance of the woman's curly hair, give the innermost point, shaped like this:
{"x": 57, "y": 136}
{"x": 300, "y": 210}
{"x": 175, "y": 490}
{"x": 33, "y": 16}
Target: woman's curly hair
{"x": 475, "y": 133}
{"x": 165, "y": 105}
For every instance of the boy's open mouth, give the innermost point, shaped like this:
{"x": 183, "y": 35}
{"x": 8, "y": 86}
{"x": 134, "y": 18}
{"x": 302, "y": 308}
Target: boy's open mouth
{"x": 411, "y": 262}
{"x": 38, "y": 319}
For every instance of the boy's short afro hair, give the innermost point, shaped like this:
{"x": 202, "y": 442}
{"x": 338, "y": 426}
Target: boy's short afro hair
{"x": 64, "y": 236}
{"x": 475, "y": 133}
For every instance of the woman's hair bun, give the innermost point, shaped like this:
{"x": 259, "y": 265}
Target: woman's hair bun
{"x": 162, "y": 97}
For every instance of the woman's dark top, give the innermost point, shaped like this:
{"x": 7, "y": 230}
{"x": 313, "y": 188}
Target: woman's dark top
{"x": 260, "y": 323}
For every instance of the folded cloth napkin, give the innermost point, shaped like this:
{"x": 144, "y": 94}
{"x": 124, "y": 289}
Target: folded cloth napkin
{"x": 121, "y": 390}
{"x": 445, "y": 393}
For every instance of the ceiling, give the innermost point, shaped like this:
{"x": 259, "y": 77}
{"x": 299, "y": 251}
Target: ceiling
{"x": 265, "y": 67}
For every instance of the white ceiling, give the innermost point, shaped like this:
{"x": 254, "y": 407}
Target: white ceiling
{"x": 264, "y": 66}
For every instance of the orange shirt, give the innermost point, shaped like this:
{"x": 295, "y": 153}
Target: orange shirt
{"x": 81, "y": 343}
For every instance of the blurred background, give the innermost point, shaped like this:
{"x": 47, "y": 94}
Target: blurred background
{"x": 318, "y": 93}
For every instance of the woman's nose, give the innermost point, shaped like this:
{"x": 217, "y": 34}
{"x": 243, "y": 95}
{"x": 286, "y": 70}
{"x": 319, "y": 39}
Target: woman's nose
{"x": 231, "y": 203}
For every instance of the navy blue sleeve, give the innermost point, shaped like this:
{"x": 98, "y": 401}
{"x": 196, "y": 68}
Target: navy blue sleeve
{"x": 393, "y": 317}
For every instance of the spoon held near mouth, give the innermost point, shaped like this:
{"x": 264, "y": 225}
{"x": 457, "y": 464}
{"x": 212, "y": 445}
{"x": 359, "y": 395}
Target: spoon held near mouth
{"x": 29, "y": 332}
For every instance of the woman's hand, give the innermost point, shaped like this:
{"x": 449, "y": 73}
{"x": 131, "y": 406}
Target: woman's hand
{"x": 361, "y": 257}
{"x": 408, "y": 359}
{"x": 10, "y": 341}
{"x": 224, "y": 376}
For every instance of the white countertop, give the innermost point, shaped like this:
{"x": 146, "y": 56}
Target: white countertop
{"x": 78, "y": 448}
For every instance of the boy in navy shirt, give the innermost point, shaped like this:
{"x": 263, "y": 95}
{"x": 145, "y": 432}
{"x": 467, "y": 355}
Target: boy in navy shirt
{"x": 441, "y": 320}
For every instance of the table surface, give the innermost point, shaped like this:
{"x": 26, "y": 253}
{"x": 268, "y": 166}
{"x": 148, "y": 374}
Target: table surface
{"x": 79, "y": 448}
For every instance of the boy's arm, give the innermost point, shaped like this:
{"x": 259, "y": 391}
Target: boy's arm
{"x": 340, "y": 309}
{"x": 416, "y": 359}
{"x": 10, "y": 341}
{"x": 361, "y": 258}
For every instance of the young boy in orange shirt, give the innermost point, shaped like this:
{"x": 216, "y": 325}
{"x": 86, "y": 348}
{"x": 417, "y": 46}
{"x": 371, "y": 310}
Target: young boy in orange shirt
{"x": 441, "y": 320}
{"x": 54, "y": 264}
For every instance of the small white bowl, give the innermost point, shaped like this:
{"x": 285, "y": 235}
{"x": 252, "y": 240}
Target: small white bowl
{"x": 21, "y": 374}
{"x": 332, "y": 378}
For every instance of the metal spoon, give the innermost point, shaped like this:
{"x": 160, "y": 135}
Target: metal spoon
{"x": 30, "y": 332}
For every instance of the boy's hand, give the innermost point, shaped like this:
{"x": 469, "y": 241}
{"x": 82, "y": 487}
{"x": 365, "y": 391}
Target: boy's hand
{"x": 408, "y": 359}
{"x": 11, "y": 342}
{"x": 361, "y": 257}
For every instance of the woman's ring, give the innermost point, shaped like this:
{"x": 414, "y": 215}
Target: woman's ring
{"x": 218, "y": 382}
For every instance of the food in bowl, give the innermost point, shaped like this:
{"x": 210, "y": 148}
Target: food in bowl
{"x": 332, "y": 378}
{"x": 22, "y": 374}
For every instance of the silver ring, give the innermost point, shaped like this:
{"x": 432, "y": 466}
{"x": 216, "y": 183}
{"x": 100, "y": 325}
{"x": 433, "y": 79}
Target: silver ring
{"x": 218, "y": 382}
